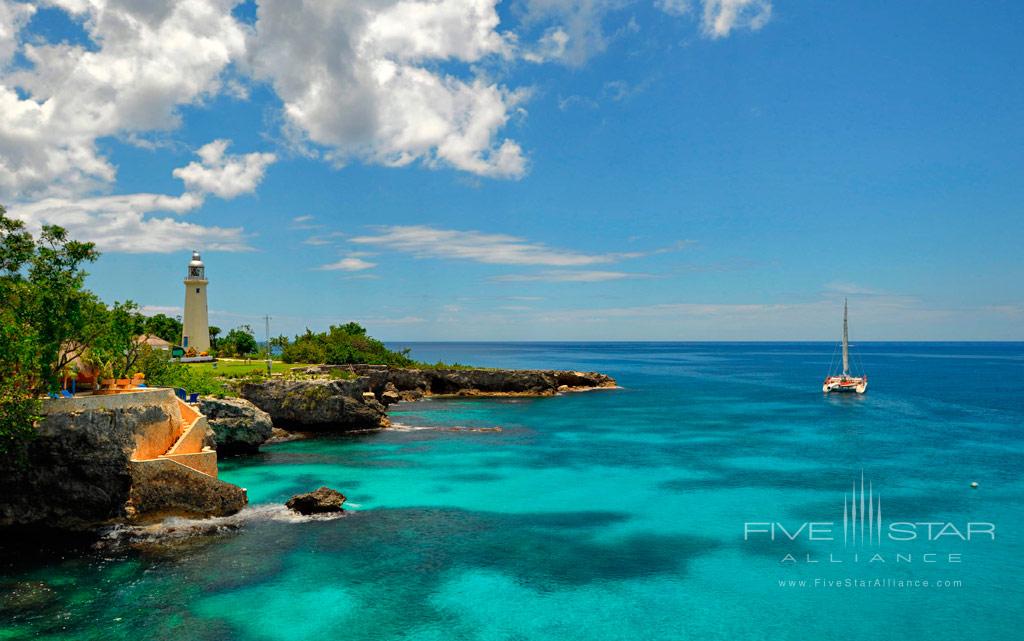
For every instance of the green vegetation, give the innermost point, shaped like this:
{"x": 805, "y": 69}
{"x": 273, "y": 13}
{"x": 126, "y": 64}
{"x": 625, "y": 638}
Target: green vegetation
{"x": 51, "y": 328}
{"x": 342, "y": 345}
{"x": 240, "y": 341}
{"x": 46, "y": 316}
{"x": 164, "y": 327}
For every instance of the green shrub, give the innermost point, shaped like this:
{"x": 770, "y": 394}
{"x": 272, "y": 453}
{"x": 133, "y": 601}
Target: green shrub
{"x": 342, "y": 345}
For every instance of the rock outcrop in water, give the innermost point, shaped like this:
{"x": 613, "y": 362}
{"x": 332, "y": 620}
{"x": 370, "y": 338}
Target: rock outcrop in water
{"x": 320, "y": 501}
{"x": 239, "y": 427}
{"x": 318, "y": 404}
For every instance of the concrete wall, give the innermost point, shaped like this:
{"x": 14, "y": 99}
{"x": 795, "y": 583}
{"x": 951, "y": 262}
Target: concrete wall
{"x": 192, "y": 439}
{"x": 205, "y": 462}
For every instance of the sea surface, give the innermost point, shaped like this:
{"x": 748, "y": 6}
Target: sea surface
{"x": 609, "y": 515}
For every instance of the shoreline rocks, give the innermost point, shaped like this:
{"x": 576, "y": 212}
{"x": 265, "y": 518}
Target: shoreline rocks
{"x": 239, "y": 427}
{"x": 332, "y": 404}
{"x": 314, "y": 405}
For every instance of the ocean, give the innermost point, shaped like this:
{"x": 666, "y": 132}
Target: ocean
{"x": 716, "y": 495}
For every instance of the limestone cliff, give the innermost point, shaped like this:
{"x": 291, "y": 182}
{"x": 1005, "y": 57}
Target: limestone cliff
{"x": 359, "y": 403}
{"x": 79, "y": 471}
{"x": 239, "y": 427}
{"x": 318, "y": 404}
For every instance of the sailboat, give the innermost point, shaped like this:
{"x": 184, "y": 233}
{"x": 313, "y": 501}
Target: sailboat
{"x": 845, "y": 382}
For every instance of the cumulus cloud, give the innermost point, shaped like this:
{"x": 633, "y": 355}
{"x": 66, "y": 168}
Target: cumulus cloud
{"x": 223, "y": 175}
{"x": 121, "y": 224}
{"x": 148, "y": 58}
{"x": 362, "y": 81}
{"x": 13, "y": 16}
{"x": 392, "y": 82}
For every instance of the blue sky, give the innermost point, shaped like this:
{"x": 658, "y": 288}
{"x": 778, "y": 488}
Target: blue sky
{"x": 541, "y": 169}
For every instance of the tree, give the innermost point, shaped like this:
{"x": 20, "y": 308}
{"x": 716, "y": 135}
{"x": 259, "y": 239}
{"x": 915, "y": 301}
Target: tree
{"x": 214, "y": 333}
{"x": 41, "y": 286}
{"x": 117, "y": 347}
{"x": 239, "y": 342}
{"x": 163, "y": 326}
{"x": 45, "y": 317}
{"x": 279, "y": 342}
{"x": 342, "y": 344}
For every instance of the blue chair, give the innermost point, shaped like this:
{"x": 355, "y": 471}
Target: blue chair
{"x": 53, "y": 394}
{"x": 193, "y": 398}
{"x": 66, "y": 394}
{"x": 141, "y": 385}
{"x": 180, "y": 392}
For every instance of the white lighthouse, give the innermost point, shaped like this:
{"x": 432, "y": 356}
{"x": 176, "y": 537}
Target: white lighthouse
{"x": 195, "y": 332}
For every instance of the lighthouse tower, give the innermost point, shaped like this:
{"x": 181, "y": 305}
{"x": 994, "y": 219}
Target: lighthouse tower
{"x": 196, "y": 330}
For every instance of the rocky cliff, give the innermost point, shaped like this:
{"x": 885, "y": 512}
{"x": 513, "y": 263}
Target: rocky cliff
{"x": 318, "y": 404}
{"x": 78, "y": 471}
{"x": 239, "y": 427}
{"x": 359, "y": 403}
{"x": 412, "y": 383}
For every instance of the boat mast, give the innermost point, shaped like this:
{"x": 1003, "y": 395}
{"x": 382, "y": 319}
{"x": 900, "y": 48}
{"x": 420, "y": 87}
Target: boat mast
{"x": 846, "y": 344}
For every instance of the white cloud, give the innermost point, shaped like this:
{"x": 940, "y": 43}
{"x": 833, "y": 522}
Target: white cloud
{"x": 722, "y": 16}
{"x": 223, "y": 175}
{"x": 495, "y": 249}
{"x": 13, "y": 16}
{"x": 852, "y": 289}
{"x": 349, "y": 264}
{"x": 393, "y": 82}
{"x": 167, "y": 310}
{"x": 364, "y": 84}
{"x": 673, "y": 7}
{"x": 577, "y": 32}
{"x": 121, "y": 224}
{"x": 149, "y": 58}
{"x": 569, "y": 276}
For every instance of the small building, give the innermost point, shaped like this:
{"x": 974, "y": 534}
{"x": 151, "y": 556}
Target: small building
{"x": 156, "y": 342}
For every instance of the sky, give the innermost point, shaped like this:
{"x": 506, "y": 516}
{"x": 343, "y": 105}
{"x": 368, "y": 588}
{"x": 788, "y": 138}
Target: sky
{"x": 533, "y": 169}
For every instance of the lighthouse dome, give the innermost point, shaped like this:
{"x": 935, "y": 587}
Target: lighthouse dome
{"x": 196, "y": 260}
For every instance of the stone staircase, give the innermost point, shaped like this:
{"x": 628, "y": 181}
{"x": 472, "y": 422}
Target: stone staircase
{"x": 174, "y": 469}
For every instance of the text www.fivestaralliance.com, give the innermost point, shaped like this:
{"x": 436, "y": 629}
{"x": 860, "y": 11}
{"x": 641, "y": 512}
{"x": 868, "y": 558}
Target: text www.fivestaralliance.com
{"x": 851, "y": 583}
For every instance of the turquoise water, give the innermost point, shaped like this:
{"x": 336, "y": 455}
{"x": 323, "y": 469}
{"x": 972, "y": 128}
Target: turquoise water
{"x": 614, "y": 514}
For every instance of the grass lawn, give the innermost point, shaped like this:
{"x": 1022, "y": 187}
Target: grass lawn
{"x": 239, "y": 367}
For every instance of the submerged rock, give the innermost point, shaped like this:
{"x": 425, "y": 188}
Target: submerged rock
{"x": 319, "y": 501}
{"x": 239, "y": 427}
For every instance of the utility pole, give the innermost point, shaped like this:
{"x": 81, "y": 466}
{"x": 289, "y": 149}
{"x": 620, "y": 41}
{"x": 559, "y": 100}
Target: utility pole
{"x": 269, "y": 359}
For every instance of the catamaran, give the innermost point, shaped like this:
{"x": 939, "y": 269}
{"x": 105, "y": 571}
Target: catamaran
{"x": 845, "y": 382}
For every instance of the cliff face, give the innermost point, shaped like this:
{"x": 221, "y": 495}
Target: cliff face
{"x": 318, "y": 404}
{"x": 239, "y": 427}
{"x": 323, "y": 404}
{"x": 94, "y": 460}
{"x": 412, "y": 383}
{"x": 77, "y": 469}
